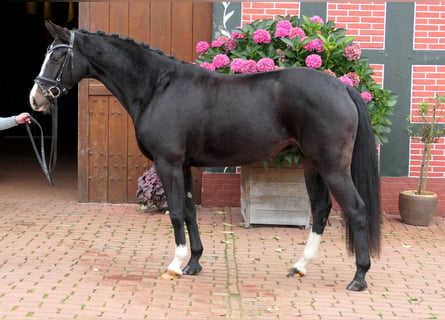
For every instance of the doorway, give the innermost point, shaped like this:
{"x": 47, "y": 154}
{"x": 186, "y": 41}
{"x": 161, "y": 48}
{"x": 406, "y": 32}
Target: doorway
{"x": 25, "y": 40}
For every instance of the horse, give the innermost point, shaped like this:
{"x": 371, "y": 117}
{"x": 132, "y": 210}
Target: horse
{"x": 187, "y": 116}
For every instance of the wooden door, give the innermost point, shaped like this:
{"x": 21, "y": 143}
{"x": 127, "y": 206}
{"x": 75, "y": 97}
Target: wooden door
{"x": 109, "y": 161}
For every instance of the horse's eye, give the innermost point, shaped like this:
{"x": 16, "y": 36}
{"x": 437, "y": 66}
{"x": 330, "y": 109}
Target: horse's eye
{"x": 56, "y": 56}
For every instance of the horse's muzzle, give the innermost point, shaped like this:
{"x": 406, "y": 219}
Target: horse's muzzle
{"x": 38, "y": 101}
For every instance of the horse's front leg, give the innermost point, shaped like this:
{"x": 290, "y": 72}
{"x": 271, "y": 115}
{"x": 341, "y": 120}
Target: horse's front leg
{"x": 173, "y": 183}
{"x": 193, "y": 266}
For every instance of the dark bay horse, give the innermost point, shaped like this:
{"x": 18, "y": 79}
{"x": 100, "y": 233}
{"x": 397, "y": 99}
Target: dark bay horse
{"x": 185, "y": 115}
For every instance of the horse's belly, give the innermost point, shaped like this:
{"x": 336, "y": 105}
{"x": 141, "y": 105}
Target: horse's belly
{"x": 237, "y": 153}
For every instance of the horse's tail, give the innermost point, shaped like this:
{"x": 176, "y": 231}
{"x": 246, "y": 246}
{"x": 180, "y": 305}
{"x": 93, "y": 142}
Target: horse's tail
{"x": 365, "y": 174}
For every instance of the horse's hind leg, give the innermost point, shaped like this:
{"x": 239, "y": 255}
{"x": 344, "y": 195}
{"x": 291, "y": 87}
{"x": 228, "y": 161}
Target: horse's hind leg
{"x": 344, "y": 191}
{"x": 320, "y": 206}
{"x": 193, "y": 266}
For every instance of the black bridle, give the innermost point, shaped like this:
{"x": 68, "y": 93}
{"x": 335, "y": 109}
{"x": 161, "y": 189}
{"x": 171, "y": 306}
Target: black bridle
{"x": 57, "y": 87}
{"x": 54, "y": 91}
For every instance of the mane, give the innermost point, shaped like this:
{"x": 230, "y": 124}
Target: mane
{"x": 131, "y": 41}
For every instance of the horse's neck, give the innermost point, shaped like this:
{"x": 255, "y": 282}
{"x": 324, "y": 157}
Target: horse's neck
{"x": 131, "y": 85}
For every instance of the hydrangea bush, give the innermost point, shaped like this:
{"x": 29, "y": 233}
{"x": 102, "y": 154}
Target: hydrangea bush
{"x": 271, "y": 44}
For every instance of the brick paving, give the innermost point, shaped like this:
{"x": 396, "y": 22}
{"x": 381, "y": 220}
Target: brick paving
{"x": 60, "y": 259}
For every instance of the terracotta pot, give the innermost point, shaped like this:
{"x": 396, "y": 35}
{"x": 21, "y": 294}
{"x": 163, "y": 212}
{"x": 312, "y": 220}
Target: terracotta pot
{"x": 416, "y": 209}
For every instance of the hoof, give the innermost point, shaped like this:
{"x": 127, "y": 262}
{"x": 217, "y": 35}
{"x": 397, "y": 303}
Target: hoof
{"x": 294, "y": 272}
{"x": 356, "y": 285}
{"x": 170, "y": 275}
{"x": 192, "y": 270}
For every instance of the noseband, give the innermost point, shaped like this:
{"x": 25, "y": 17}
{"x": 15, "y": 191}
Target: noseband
{"x": 56, "y": 85}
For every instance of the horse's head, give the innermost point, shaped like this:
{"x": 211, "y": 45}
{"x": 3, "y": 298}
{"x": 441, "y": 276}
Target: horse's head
{"x": 57, "y": 74}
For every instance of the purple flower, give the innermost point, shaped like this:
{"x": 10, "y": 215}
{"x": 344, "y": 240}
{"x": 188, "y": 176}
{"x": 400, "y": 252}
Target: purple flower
{"x": 313, "y": 61}
{"x": 316, "y": 19}
{"x": 314, "y": 45}
{"x": 261, "y": 36}
{"x": 296, "y": 32}
{"x": 265, "y": 64}
{"x": 220, "y": 61}
{"x": 208, "y": 65}
{"x": 202, "y": 46}
{"x": 216, "y": 43}
{"x": 352, "y": 52}
{"x": 249, "y": 66}
{"x": 366, "y": 96}
{"x": 236, "y": 65}
{"x": 346, "y": 80}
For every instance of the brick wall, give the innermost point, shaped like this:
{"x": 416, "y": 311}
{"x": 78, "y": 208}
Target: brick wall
{"x": 429, "y": 26}
{"x": 427, "y": 81}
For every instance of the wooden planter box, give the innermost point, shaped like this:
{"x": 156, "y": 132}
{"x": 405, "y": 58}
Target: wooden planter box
{"x": 274, "y": 196}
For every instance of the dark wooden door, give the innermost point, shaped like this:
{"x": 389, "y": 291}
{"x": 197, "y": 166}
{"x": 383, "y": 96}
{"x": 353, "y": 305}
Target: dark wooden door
{"x": 109, "y": 161}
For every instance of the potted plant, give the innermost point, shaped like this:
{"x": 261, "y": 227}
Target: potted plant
{"x": 418, "y": 207}
{"x": 150, "y": 191}
{"x": 269, "y": 44}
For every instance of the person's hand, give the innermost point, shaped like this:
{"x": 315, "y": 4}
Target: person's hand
{"x": 22, "y": 118}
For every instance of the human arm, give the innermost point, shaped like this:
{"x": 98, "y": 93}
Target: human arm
{"x": 9, "y": 122}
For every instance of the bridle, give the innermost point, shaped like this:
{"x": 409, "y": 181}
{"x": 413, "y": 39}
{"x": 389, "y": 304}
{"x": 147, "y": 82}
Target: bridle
{"x": 54, "y": 91}
{"x": 57, "y": 87}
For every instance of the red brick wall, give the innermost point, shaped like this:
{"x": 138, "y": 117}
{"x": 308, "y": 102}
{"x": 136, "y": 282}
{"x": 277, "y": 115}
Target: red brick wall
{"x": 364, "y": 21}
{"x": 220, "y": 190}
{"x": 429, "y": 26}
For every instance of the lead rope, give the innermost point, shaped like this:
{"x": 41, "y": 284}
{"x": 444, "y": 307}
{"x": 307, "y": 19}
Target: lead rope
{"x": 47, "y": 168}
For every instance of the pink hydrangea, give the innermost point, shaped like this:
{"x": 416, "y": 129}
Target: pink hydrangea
{"x": 220, "y": 61}
{"x": 261, "y": 36}
{"x": 314, "y": 45}
{"x": 236, "y": 65}
{"x": 346, "y": 80}
{"x": 230, "y": 44}
{"x": 202, "y": 46}
{"x": 237, "y": 35}
{"x": 249, "y": 66}
{"x": 330, "y": 72}
{"x": 208, "y": 65}
{"x": 265, "y": 64}
{"x": 313, "y": 61}
{"x": 354, "y": 78}
{"x": 281, "y": 33}
{"x": 352, "y": 52}
{"x": 216, "y": 43}
{"x": 282, "y": 28}
{"x": 366, "y": 96}
{"x": 316, "y": 19}
{"x": 286, "y": 24}
{"x": 296, "y": 32}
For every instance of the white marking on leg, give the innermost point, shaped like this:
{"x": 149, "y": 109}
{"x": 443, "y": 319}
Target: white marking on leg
{"x": 180, "y": 255}
{"x": 310, "y": 252}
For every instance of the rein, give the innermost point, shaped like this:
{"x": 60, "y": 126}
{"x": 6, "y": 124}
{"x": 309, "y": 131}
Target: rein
{"x": 47, "y": 168}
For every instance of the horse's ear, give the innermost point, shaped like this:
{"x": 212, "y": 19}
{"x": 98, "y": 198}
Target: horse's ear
{"x": 57, "y": 31}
